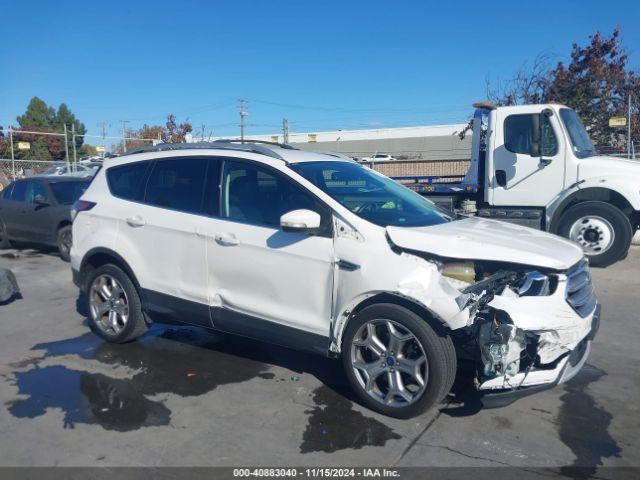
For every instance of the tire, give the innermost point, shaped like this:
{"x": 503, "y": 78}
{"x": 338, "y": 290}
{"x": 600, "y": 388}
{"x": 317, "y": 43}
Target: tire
{"x": 609, "y": 231}
{"x": 4, "y": 238}
{"x": 64, "y": 240}
{"x": 126, "y": 330}
{"x": 437, "y": 347}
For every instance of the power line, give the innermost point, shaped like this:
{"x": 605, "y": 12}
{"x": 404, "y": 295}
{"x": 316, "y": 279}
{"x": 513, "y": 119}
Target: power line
{"x": 360, "y": 110}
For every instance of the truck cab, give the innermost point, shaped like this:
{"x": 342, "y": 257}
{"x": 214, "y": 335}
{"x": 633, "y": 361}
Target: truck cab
{"x": 535, "y": 165}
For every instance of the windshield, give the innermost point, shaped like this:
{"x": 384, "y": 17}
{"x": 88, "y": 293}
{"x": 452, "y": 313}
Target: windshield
{"x": 582, "y": 146}
{"x": 68, "y": 192}
{"x": 371, "y": 195}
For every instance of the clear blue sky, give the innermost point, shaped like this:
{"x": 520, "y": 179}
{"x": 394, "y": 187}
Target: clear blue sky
{"x": 324, "y": 64}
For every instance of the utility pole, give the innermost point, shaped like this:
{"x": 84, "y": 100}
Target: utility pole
{"x": 243, "y": 113}
{"x": 73, "y": 143}
{"x": 124, "y": 135}
{"x": 629, "y": 128}
{"x": 66, "y": 145}
{"x": 285, "y": 131}
{"x": 104, "y": 126}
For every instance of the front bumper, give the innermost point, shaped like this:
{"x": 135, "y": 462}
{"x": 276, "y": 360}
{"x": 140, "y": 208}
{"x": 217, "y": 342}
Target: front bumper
{"x": 525, "y": 384}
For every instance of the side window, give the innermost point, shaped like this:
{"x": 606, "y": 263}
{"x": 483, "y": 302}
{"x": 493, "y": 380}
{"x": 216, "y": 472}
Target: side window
{"x": 260, "y": 196}
{"x": 34, "y": 189}
{"x": 19, "y": 191}
{"x": 177, "y": 183}
{"x": 519, "y": 134}
{"x": 125, "y": 181}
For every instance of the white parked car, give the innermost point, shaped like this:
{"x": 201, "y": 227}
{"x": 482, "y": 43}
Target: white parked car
{"x": 75, "y": 170}
{"x": 378, "y": 157}
{"x": 314, "y": 252}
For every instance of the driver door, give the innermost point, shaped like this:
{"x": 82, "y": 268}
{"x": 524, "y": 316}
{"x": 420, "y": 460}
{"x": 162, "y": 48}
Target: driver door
{"x": 263, "y": 282}
{"x": 521, "y": 176}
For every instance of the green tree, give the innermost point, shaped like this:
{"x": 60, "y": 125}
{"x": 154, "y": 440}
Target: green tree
{"x": 64, "y": 117}
{"x": 38, "y": 114}
{"x": 39, "y": 117}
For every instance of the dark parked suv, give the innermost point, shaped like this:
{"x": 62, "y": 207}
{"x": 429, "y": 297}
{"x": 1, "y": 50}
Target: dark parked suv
{"x": 37, "y": 210}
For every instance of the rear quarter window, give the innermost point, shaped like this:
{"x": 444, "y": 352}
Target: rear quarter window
{"x": 68, "y": 192}
{"x": 177, "y": 184}
{"x": 126, "y": 181}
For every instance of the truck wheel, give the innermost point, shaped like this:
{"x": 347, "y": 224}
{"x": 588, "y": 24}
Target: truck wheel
{"x": 114, "y": 306}
{"x": 603, "y": 231}
{"x": 64, "y": 243}
{"x": 396, "y": 362}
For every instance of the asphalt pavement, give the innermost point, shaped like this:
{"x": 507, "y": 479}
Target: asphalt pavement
{"x": 183, "y": 396}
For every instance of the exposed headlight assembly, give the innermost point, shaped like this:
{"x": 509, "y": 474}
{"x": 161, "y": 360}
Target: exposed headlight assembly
{"x": 533, "y": 284}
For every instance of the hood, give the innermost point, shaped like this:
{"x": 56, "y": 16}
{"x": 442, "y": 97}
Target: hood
{"x": 483, "y": 239}
{"x": 606, "y": 166}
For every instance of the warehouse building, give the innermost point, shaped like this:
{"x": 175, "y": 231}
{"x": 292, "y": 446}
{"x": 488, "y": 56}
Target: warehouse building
{"x": 439, "y": 142}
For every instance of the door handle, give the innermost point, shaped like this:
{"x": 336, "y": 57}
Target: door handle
{"x": 136, "y": 221}
{"x": 226, "y": 239}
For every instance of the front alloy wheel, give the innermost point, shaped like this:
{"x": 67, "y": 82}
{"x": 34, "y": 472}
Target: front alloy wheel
{"x": 399, "y": 363}
{"x": 389, "y": 362}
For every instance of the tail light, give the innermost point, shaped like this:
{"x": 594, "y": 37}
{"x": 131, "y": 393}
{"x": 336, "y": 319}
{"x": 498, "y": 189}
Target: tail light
{"x": 81, "y": 206}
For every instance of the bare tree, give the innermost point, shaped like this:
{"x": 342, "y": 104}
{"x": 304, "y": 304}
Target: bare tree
{"x": 529, "y": 85}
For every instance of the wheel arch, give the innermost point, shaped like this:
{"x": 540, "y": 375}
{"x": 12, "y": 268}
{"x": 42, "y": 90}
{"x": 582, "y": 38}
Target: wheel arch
{"x": 96, "y": 257}
{"x": 591, "y": 194}
{"x": 394, "y": 298}
{"x": 63, "y": 223}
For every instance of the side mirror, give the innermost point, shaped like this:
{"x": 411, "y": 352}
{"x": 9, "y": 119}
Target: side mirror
{"x": 300, "y": 221}
{"x": 40, "y": 200}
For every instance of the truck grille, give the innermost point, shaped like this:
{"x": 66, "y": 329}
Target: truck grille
{"x": 580, "y": 293}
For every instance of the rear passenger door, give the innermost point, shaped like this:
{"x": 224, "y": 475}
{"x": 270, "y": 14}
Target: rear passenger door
{"x": 159, "y": 231}
{"x": 38, "y": 214}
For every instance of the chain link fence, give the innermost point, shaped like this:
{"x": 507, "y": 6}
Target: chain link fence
{"x": 408, "y": 168}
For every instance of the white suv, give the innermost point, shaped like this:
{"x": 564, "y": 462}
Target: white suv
{"x": 316, "y": 252}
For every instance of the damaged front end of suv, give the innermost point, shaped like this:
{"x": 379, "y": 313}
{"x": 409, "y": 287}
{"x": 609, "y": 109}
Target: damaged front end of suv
{"x": 528, "y": 329}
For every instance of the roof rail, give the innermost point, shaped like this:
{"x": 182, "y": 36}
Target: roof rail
{"x": 260, "y": 142}
{"x": 219, "y": 145}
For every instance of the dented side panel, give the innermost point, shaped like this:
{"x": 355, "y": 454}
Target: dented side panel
{"x": 382, "y": 270}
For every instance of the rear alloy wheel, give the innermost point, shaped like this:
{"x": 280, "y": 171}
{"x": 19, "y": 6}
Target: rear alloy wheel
{"x": 601, "y": 229}
{"x": 114, "y": 306}
{"x": 64, "y": 242}
{"x": 109, "y": 305}
{"x": 396, "y": 362}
